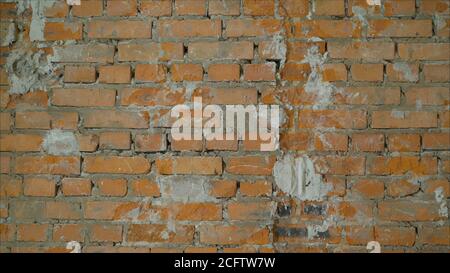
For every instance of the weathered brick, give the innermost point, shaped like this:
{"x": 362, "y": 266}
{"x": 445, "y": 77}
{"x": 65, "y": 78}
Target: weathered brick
{"x": 190, "y": 165}
{"x": 116, "y": 164}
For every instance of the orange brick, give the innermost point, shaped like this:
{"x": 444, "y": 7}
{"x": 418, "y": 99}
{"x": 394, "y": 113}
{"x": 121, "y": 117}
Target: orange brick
{"x": 435, "y": 6}
{"x": 223, "y": 188}
{"x": 150, "y": 73}
{"x": 152, "y": 96}
{"x": 436, "y": 72}
{"x": 20, "y": 143}
{"x": 156, "y": 7}
{"x": 145, "y": 187}
{"x": 359, "y": 235}
{"x": 367, "y": 72}
{"x": 220, "y": 50}
{"x": 327, "y": 8}
{"x": 419, "y": 96}
{"x": 186, "y": 145}
{"x": 400, "y": 28}
{"x": 424, "y": 51}
{"x": 369, "y": 51}
{"x": 197, "y": 212}
{"x": 404, "y": 143}
{"x": 227, "y": 235}
{"x": 403, "y": 236}
{"x": 327, "y": 141}
{"x": 85, "y": 74}
{"x": 401, "y": 187}
{"x": 68, "y": 232}
{"x": 340, "y": 165}
{"x": 7, "y": 232}
{"x": 293, "y": 8}
{"x": 105, "y": 233}
{"x": 189, "y": 165}
{"x": 115, "y": 140}
{"x": 112, "y": 187}
{"x": 187, "y": 72}
{"x": 332, "y": 118}
{"x": 436, "y": 141}
{"x": 434, "y": 235}
{"x": 76, "y": 187}
{"x": 88, "y": 8}
{"x": 259, "y": 72}
{"x": 190, "y": 7}
{"x": 116, "y": 119}
{"x": 39, "y": 186}
{"x": 250, "y": 165}
{"x": 58, "y": 10}
{"x": 32, "y": 232}
{"x": 148, "y": 51}
{"x": 223, "y": 72}
{"x": 5, "y": 164}
{"x": 150, "y": 143}
{"x": 404, "y": 119}
{"x": 64, "y": 165}
{"x": 399, "y": 8}
{"x": 121, "y": 7}
{"x": 5, "y": 121}
{"x": 10, "y": 186}
{"x": 84, "y": 97}
{"x": 259, "y": 7}
{"x": 189, "y": 28}
{"x": 116, "y": 164}
{"x": 256, "y": 188}
{"x": 224, "y": 7}
{"x": 119, "y": 29}
{"x": 325, "y": 29}
{"x": 115, "y": 74}
{"x": 59, "y": 31}
{"x": 159, "y": 233}
{"x": 368, "y": 188}
{"x": 252, "y": 27}
{"x": 402, "y": 164}
{"x": 365, "y": 142}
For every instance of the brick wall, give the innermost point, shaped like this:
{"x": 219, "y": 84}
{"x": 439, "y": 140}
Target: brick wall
{"x": 87, "y": 155}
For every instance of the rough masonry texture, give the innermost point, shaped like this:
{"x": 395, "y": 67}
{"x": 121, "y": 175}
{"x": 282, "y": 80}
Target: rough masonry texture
{"x": 86, "y": 153}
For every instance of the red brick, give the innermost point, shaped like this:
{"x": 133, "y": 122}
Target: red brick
{"x": 293, "y": 8}
{"x": 368, "y": 51}
{"x": 259, "y": 72}
{"x": 325, "y": 8}
{"x": 332, "y": 119}
{"x": 424, "y": 51}
{"x": 220, "y": 50}
{"x": 197, "y": 212}
{"x": 401, "y": 187}
{"x": 400, "y": 8}
{"x": 366, "y": 142}
{"x": 325, "y": 29}
{"x": 340, "y": 165}
{"x": 7, "y": 232}
{"x": 434, "y": 235}
{"x": 436, "y": 141}
{"x": 10, "y": 186}
{"x": 368, "y": 188}
{"x": 420, "y": 96}
{"x": 151, "y": 96}
{"x": 62, "y": 210}
{"x": 404, "y": 143}
{"x": 187, "y": 72}
{"x": 436, "y": 73}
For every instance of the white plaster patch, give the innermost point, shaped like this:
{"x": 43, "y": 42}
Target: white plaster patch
{"x": 28, "y": 71}
{"x": 57, "y": 142}
{"x": 440, "y": 198}
{"x": 185, "y": 189}
{"x": 74, "y": 2}
{"x": 406, "y": 71}
{"x": 374, "y": 2}
{"x": 297, "y": 177}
